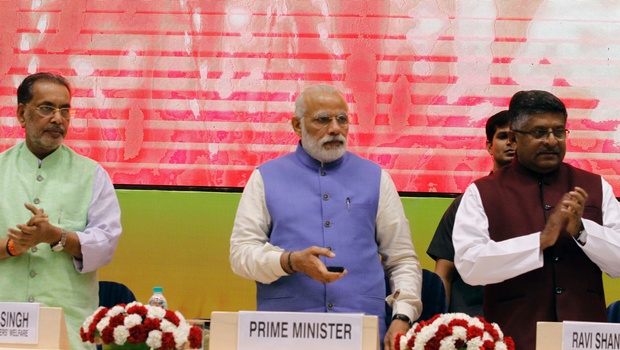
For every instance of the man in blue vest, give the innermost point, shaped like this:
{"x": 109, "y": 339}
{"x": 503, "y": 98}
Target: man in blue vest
{"x": 322, "y": 206}
{"x": 537, "y": 233}
{"x": 59, "y": 208}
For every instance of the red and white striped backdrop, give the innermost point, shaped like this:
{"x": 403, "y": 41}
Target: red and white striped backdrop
{"x": 198, "y": 93}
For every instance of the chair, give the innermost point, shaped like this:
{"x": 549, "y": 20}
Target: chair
{"x": 433, "y": 297}
{"x": 112, "y": 293}
{"x": 613, "y": 312}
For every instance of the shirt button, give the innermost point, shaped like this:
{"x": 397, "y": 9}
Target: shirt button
{"x": 33, "y": 273}
{"x": 556, "y": 258}
{"x": 329, "y": 248}
{"x": 328, "y": 223}
{"x": 559, "y": 290}
{"x": 40, "y": 178}
{"x": 31, "y": 299}
{"x": 37, "y": 201}
{"x": 325, "y": 196}
{"x": 323, "y": 173}
{"x": 330, "y": 306}
{"x": 34, "y": 249}
{"x": 547, "y": 207}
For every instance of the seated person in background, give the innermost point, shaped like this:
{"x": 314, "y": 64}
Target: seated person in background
{"x": 461, "y": 296}
{"x": 538, "y": 232}
{"x": 322, "y": 206}
{"x": 70, "y": 224}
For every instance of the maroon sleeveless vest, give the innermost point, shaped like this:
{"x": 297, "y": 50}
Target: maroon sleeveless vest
{"x": 569, "y": 286}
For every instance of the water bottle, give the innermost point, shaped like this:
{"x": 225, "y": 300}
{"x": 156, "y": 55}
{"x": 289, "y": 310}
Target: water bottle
{"x": 157, "y": 299}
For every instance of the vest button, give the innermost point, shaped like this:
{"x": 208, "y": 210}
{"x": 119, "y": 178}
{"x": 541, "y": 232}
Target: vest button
{"x": 325, "y": 196}
{"x": 323, "y": 173}
{"x": 556, "y": 258}
{"x": 547, "y": 207}
{"x": 330, "y": 306}
{"x": 31, "y": 299}
{"x": 559, "y": 290}
{"x": 39, "y": 178}
{"x": 37, "y": 201}
{"x": 328, "y": 223}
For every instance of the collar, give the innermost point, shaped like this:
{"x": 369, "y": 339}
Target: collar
{"x": 546, "y": 178}
{"x": 30, "y": 158}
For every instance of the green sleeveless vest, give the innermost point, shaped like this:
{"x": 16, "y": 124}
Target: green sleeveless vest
{"x": 62, "y": 186}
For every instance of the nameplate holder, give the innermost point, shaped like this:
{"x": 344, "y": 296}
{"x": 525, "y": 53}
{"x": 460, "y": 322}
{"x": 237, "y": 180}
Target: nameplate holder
{"x": 299, "y": 330}
{"x": 590, "y": 335}
{"x": 19, "y": 323}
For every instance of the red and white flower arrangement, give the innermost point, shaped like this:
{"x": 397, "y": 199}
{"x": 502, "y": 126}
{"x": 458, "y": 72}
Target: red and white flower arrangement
{"x": 454, "y": 331}
{"x": 134, "y": 323}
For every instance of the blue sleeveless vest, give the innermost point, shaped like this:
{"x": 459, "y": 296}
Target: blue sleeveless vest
{"x": 330, "y": 205}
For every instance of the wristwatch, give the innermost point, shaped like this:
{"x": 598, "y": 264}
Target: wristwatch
{"x": 402, "y": 318}
{"x": 60, "y": 245}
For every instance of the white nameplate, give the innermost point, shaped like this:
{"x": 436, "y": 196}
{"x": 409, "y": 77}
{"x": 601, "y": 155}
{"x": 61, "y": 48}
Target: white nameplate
{"x": 19, "y": 323}
{"x": 590, "y": 335}
{"x": 299, "y": 331}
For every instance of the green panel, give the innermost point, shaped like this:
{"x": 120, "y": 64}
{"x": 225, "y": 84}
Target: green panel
{"x": 180, "y": 241}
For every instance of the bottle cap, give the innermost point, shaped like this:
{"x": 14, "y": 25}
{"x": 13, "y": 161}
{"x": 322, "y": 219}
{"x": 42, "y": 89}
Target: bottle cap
{"x": 158, "y": 289}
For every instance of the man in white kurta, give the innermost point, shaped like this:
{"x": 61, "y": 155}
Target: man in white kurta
{"x": 538, "y": 233}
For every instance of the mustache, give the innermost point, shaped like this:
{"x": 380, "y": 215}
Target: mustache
{"x": 331, "y": 138}
{"x": 55, "y": 129}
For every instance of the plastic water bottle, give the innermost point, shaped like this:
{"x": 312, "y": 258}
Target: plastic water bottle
{"x": 158, "y": 299}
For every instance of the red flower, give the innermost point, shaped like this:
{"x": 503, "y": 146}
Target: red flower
{"x": 152, "y": 324}
{"x": 167, "y": 341}
{"x": 488, "y": 345}
{"x": 443, "y": 331}
{"x": 107, "y": 335}
{"x": 137, "y": 334}
{"x": 491, "y": 330}
{"x": 510, "y": 344}
{"x": 473, "y": 332}
{"x": 459, "y": 322}
{"x": 195, "y": 337}
{"x": 137, "y": 310}
{"x": 411, "y": 342}
{"x": 172, "y": 317}
{"x": 117, "y": 320}
{"x": 397, "y": 341}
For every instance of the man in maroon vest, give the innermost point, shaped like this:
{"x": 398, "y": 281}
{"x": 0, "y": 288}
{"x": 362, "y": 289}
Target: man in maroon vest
{"x": 538, "y": 232}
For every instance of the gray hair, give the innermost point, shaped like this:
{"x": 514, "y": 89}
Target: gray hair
{"x": 300, "y": 102}
{"x": 525, "y": 103}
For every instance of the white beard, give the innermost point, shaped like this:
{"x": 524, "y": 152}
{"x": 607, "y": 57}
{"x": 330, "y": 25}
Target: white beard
{"x": 322, "y": 153}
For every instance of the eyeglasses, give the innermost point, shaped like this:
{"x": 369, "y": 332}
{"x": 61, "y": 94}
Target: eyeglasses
{"x": 543, "y": 133}
{"x": 324, "y": 120}
{"x": 46, "y": 111}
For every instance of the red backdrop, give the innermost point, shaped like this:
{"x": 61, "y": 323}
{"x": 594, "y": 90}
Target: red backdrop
{"x": 198, "y": 93}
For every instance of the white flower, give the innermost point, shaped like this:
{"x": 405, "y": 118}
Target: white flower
{"x": 132, "y": 320}
{"x": 115, "y": 311}
{"x": 155, "y": 312}
{"x": 154, "y": 339}
{"x": 120, "y": 335}
{"x": 181, "y": 335}
{"x": 103, "y": 323}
